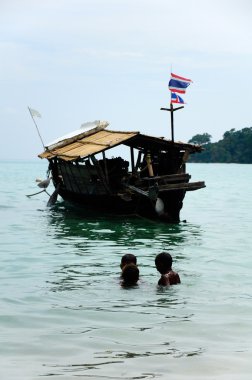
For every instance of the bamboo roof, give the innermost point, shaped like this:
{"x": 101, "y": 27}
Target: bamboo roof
{"x": 88, "y": 145}
{"x": 98, "y": 140}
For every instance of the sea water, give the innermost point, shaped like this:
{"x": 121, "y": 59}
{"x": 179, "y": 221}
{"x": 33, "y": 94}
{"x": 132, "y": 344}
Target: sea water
{"x": 65, "y": 315}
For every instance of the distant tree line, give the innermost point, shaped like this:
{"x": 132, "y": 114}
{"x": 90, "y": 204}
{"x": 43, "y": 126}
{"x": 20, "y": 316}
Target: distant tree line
{"x": 235, "y": 147}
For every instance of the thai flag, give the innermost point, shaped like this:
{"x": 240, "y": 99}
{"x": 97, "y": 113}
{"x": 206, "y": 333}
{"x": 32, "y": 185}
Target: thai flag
{"x": 176, "y": 99}
{"x": 178, "y": 84}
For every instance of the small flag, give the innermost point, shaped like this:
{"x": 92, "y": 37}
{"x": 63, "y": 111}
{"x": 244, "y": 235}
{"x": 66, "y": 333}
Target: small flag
{"x": 34, "y": 113}
{"x": 176, "y": 99}
{"x": 178, "y": 84}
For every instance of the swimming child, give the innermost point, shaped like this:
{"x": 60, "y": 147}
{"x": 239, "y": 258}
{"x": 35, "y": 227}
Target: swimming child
{"x": 130, "y": 275}
{"x": 163, "y": 263}
{"x": 128, "y": 258}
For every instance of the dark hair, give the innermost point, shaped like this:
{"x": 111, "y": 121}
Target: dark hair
{"x": 163, "y": 262}
{"x": 129, "y": 258}
{"x": 130, "y": 274}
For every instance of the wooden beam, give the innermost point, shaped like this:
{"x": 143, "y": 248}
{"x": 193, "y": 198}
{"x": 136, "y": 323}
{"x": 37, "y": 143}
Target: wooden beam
{"x": 182, "y": 186}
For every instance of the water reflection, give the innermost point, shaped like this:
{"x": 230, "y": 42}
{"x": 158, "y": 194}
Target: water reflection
{"x": 122, "y": 357}
{"x": 68, "y": 222}
{"x": 76, "y": 276}
{"x": 77, "y": 368}
{"x": 131, "y": 355}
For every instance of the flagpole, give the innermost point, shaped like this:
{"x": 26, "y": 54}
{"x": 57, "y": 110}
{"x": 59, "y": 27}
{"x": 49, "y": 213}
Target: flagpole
{"x": 36, "y": 128}
{"x": 171, "y": 110}
{"x": 172, "y": 122}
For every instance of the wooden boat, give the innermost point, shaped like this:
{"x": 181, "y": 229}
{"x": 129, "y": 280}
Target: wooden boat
{"x": 151, "y": 183}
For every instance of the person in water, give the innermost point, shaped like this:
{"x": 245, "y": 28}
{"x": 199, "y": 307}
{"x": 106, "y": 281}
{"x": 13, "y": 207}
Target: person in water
{"x": 130, "y": 275}
{"x": 163, "y": 262}
{"x": 128, "y": 258}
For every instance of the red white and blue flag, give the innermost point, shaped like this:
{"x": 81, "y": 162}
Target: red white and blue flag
{"x": 178, "y": 84}
{"x": 176, "y": 99}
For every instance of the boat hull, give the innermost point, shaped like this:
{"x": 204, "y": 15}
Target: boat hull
{"x": 134, "y": 205}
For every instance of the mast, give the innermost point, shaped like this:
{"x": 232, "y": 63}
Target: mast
{"x": 171, "y": 110}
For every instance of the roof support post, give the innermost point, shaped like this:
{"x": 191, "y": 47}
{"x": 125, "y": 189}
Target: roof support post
{"x": 105, "y": 167}
{"x": 132, "y": 160}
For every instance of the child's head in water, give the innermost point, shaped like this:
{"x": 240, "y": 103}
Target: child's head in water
{"x": 130, "y": 274}
{"x": 163, "y": 262}
{"x": 129, "y": 258}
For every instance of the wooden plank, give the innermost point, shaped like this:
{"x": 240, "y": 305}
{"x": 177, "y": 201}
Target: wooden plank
{"x": 182, "y": 186}
{"x": 171, "y": 187}
{"x": 195, "y": 185}
{"x": 168, "y": 178}
{"x": 137, "y": 190}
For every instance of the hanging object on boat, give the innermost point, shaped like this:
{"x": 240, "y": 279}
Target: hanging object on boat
{"x": 159, "y": 206}
{"x": 43, "y": 184}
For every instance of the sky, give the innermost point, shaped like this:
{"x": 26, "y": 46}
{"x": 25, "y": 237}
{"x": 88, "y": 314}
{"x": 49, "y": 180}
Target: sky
{"x": 76, "y": 61}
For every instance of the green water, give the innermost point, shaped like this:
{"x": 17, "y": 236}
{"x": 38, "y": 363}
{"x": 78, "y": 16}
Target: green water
{"x": 65, "y": 315}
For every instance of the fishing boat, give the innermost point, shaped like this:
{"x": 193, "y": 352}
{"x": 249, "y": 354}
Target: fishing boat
{"x": 86, "y": 169}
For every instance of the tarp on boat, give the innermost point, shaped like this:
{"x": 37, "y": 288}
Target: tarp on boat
{"x": 98, "y": 140}
{"x": 85, "y": 130}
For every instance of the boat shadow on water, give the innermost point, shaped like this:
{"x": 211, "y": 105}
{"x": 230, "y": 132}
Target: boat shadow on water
{"x": 69, "y": 220}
